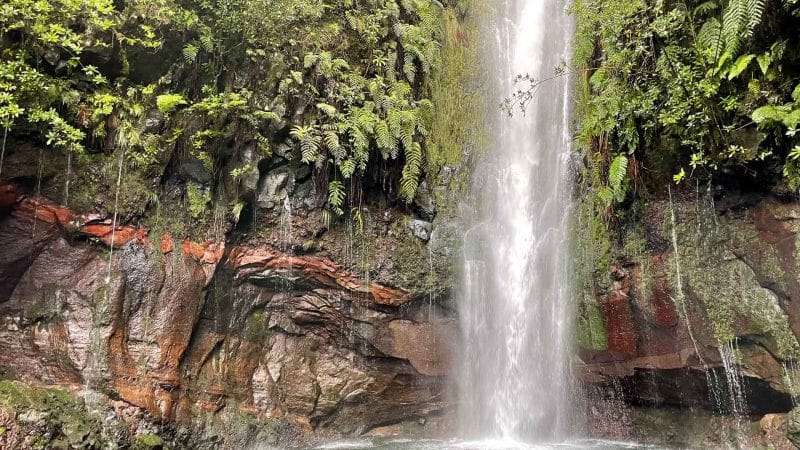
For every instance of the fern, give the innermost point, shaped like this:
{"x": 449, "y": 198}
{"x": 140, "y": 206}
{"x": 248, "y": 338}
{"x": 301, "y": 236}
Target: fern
{"x": 384, "y": 138}
{"x": 724, "y": 40}
{"x": 336, "y": 197}
{"x": 310, "y": 60}
{"x": 207, "y": 41}
{"x": 739, "y": 21}
{"x": 705, "y": 8}
{"x": 327, "y": 109}
{"x": 348, "y": 167}
{"x": 358, "y": 221}
{"x": 190, "y": 52}
{"x": 169, "y": 102}
{"x": 606, "y": 195}
{"x": 409, "y": 68}
{"x": 616, "y": 175}
{"x": 709, "y": 37}
{"x": 332, "y": 144}
{"x": 755, "y": 12}
{"x": 309, "y": 142}
{"x": 409, "y": 180}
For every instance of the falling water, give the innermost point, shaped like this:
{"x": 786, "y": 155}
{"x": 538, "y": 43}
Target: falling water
{"x": 515, "y": 311}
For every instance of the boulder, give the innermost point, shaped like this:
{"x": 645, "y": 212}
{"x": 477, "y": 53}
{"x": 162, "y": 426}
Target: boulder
{"x": 421, "y": 229}
{"x": 274, "y": 187}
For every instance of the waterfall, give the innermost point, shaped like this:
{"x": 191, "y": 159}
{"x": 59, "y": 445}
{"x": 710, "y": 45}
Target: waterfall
{"x": 515, "y": 306}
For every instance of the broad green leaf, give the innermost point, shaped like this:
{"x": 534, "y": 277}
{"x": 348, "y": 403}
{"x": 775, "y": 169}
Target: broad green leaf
{"x": 739, "y": 66}
{"x": 766, "y": 113}
{"x": 764, "y": 60}
{"x": 297, "y": 77}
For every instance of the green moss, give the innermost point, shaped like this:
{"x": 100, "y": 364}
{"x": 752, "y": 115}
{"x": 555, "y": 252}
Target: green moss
{"x": 97, "y": 186}
{"x": 458, "y": 122}
{"x": 65, "y": 422}
{"x": 147, "y": 441}
{"x": 635, "y": 247}
{"x": 727, "y": 286}
{"x": 591, "y": 330}
{"x": 256, "y": 329}
{"x": 592, "y": 249}
{"x": 418, "y": 268}
{"x": 45, "y": 305}
{"x": 198, "y": 199}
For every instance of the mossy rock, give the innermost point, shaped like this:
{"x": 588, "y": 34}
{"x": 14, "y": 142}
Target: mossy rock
{"x": 147, "y": 442}
{"x": 53, "y": 416}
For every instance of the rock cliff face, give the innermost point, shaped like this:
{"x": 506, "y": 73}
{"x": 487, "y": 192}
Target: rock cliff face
{"x": 702, "y": 310}
{"x": 243, "y": 343}
{"x": 278, "y": 337}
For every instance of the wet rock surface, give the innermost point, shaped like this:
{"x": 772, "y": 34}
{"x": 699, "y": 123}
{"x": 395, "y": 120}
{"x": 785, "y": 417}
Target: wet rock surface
{"x": 181, "y": 335}
{"x": 710, "y": 325}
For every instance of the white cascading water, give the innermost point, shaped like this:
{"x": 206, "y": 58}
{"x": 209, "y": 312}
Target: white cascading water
{"x": 515, "y": 310}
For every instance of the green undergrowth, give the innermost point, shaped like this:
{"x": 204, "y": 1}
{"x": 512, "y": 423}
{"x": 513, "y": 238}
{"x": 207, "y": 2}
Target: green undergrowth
{"x": 190, "y": 96}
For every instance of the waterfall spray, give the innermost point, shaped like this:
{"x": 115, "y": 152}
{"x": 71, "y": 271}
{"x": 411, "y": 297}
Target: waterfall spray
{"x": 515, "y": 307}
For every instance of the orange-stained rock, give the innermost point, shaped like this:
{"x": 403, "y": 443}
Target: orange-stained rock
{"x": 283, "y": 337}
{"x": 45, "y": 211}
{"x": 167, "y": 244}
{"x": 317, "y": 270}
{"x": 207, "y": 252}
{"x": 96, "y": 227}
{"x": 113, "y": 236}
{"x": 665, "y": 313}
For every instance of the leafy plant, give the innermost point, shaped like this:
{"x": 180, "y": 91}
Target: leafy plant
{"x": 673, "y": 86}
{"x": 167, "y": 103}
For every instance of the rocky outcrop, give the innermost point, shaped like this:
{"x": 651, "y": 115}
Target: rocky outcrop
{"x": 186, "y": 335}
{"x": 701, "y": 308}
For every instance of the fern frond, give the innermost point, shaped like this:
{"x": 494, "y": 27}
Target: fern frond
{"x": 606, "y": 195}
{"x": 327, "y": 109}
{"x": 705, "y": 8}
{"x": 409, "y": 68}
{"x": 190, "y": 52}
{"x": 384, "y": 137}
{"x": 207, "y": 41}
{"x": 332, "y": 144}
{"x": 755, "y": 12}
{"x": 409, "y": 180}
{"x": 616, "y": 173}
{"x": 348, "y": 167}
{"x": 309, "y": 60}
{"x": 733, "y": 20}
{"x": 710, "y": 37}
{"x": 739, "y": 21}
{"x": 336, "y": 196}
{"x": 309, "y": 142}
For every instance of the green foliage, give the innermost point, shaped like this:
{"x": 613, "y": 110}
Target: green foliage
{"x": 47, "y": 88}
{"x": 681, "y": 89}
{"x": 336, "y": 196}
{"x": 358, "y": 71}
{"x": 348, "y": 81}
{"x": 198, "y": 199}
{"x": 169, "y": 102}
